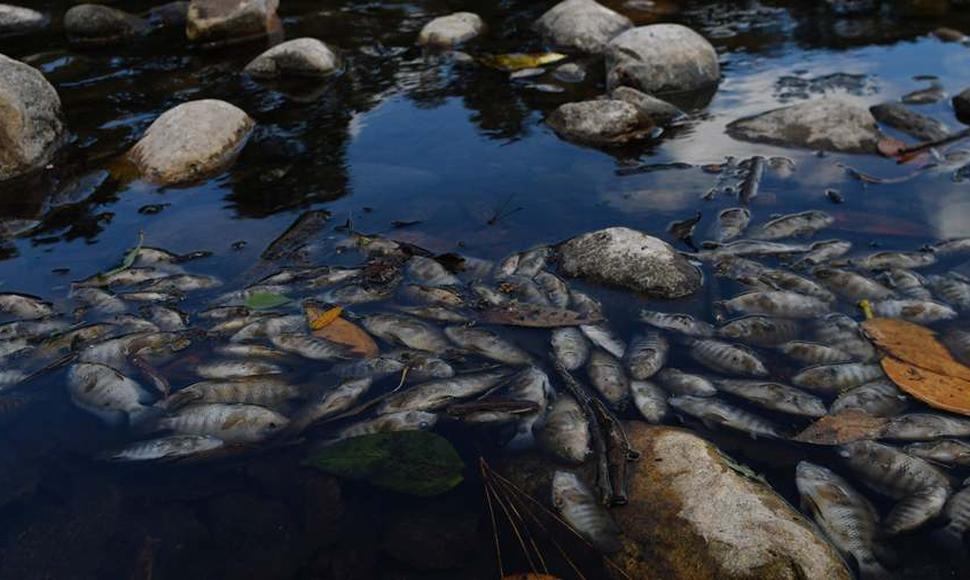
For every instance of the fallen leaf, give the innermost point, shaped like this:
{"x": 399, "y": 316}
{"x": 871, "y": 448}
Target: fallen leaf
{"x": 535, "y": 316}
{"x": 518, "y": 60}
{"x": 843, "y": 427}
{"x": 265, "y": 300}
{"x": 318, "y": 320}
{"x": 340, "y": 331}
{"x": 914, "y": 344}
{"x": 938, "y": 391}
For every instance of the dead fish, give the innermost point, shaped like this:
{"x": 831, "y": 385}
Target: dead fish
{"x": 437, "y": 394}
{"x": 430, "y": 295}
{"x": 889, "y": 260}
{"x": 602, "y": 336}
{"x": 248, "y": 351}
{"x": 147, "y": 256}
{"x": 731, "y": 223}
{"x": 554, "y": 288}
{"x": 851, "y": 285}
{"x": 813, "y": 353}
{"x": 952, "y": 246}
{"x": 878, "y": 398}
{"x": 608, "y": 377}
{"x": 646, "y": 355}
{"x": 438, "y": 313}
{"x": 714, "y": 412}
{"x": 958, "y": 342}
{"x": 533, "y": 261}
{"x": 682, "y": 323}
{"x": 957, "y": 512}
{"x": 422, "y": 366}
{"x": 796, "y": 224}
{"x": 842, "y": 332}
{"x": 259, "y": 390}
{"x": 777, "y": 303}
{"x": 126, "y": 277}
{"x": 310, "y": 347}
{"x": 650, "y": 400}
{"x": 832, "y": 379}
{"x": 115, "y": 351}
{"x": 925, "y": 426}
{"x": 524, "y": 290}
{"x": 945, "y": 451}
{"x": 376, "y": 367}
{"x": 330, "y": 403}
{"x": 151, "y": 297}
{"x": 333, "y": 276}
{"x": 356, "y": 294}
{"x": 407, "y": 331}
{"x": 774, "y": 279}
{"x": 752, "y": 179}
{"x": 488, "y": 295}
{"x": 99, "y": 300}
{"x": 759, "y": 330}
{"x": 241, "y": 296}
{"x": 920, "y": 487}
{"x": 750, "y": 248}
{"x": 925, "y": 96}
{"x": 164, "y": 448}
{"x": 906, "y": 283}
{"x": 12, "y": 347}
{"x": 727, "y": 358}
{"x": 24, "y": 306}
{"x": 508, "y": 266}
{"x": 232, "y": 369}
{"x": 775, "y": 397}
{"x": 223, "y": 313}
{"x": 166, "y": 319}
{"x": 952, "y": 288}
{"x": 580, "y": 509}
{"x": 584, "y": 304}
{"x": 530, "y": 385}
{"x": 230, "y": 423}
{"x": 183, "y": 283}
{"x": 681, "y": 383}
{"x": 108, "y": 394}
{"x": 918, "y": 311}
{"x": 270, "y": 326}
{"x": 487, "y": 344}
{"x": 845, "y": 516}
{"x": 564, "y": 432}
{"x": 684, "y": 229}
{"x": 570, "y": 348}
{"x": 11, "y": 377}
{"x": 402, "y": 421}
{"x": 821, "y": 252}
{"x": 428, "y": 272}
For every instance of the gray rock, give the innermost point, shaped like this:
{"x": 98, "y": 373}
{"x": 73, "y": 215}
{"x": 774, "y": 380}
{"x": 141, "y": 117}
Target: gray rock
{"x": 301, "y": 57}
{"x": 629, "y": 259}
{"x": 446, "y": 31}
{"x": 961, "y": 105}
{"x": 17, "y": 19}
{"x": 654, "y": 110}
{"x": 191, "y": 141}
{"x": 901, "y": 117}
{"x": 598, "y": 122}
{"x": 581, "y": 25}
{"x": 31, "y": 125}
{"x": 98, "y": 25}
{"x": 824, "y": 124}
{"x": 218, "y": 21}
{"x": 661, "y": 58}
{"x": 571, "y": 72}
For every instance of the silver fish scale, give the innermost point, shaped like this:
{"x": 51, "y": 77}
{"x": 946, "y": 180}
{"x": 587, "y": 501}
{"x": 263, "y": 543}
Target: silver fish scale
{"x": 646, "y": 355}
{"x": 837, "y": 377}
{"x": 713, "y": 411}
{"x": 581, "y": 510}
{"x": 608, "y": 377}
{"x": 890, "y": 471}
{"x": 878, "y": 398}
{"x": 760, "y": 330}
{"x": 775, "y": 397}
{"x": 569, "y": 347}
{"x": 948, "y": 451}
{"x": 650, "y": 400}
{"x": 813, "y": 353}
{"x": 778, "y": 303}
{"x": 309, "y": 347}
{"x": 953, "y": 289}
{"x": 681, "y": 383}
{"x": 924, "y": 426}
{"x": 564, "y": 432}
{"x": 731, "y": 223}
{"x": 918, "y": 311}
{"x": 727, "y": 358}
{"x": 797, "y": 224}
{"x": 957, "y": 512}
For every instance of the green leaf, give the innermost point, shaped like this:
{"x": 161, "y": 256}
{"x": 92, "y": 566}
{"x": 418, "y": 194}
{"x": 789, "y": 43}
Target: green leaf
{"x": 265, "y": 300}
{"x": 413, "y": 462}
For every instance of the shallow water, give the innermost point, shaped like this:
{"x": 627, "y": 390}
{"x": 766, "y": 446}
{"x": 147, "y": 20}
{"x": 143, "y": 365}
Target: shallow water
{"x": 462, "y": 151}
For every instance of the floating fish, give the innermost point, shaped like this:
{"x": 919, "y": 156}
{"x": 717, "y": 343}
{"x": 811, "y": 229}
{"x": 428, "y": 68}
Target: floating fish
{"x": 851, "y": 285}
{"x": 797, "y": 224}
{"x": 428, "y": 272}
{"x": 945, "y": 451}
{"x": 581, "y": 510}
{"x": 842, "y": 332}
{"x": 731, "y": 223}
{"x": 890, "y": 260}
{"x": 608, "y": 377}
{"x": 402, "y": 421}
{"x": 834, "y": 378}
{"x": 570, "y": 348}
{"x": 487, "y": 344}
{"x": 759, "y": 330}
{"x": 565, "y": 431}
{"x": 925, "y": 426}
{"x": 714, "y": 412}
{"x": 682, "y": 323}
{"x": 951, "y": 288}
{"x": 231, "y": 423}
{"x": 680, "y": 383}
{"x": 650, "y": 400}
{"x": 232, "y": 369}
{"x": 957, "y": 512}
{"x": 602, "y": 336}
{"x": 813, "y": 353}
{"x": 267, "y": 391}
{"x": 330, "y": 403}
{"x": 777, "y": 303}
{"x": 775, "y": 397}
{"x": 430, "y": 295}
{"x": 165, "y": 448}
{"x": 24, "y": 307}
{"x": 310, "y": 347}
{"x": 532, "y": 385}
{"x": 407, "y": 331}
{"x": 646, "y": 355}
{"x": 554, "y": 288}
{"x": 878, "y": 398}
{"x": 108, "y": 394}
{"x": 918, "y": 311}
{"x": 727, "y": 358}
{"x": 906, "y": 283}
{"x": 437, "y": 394}
{"x": 821, "y": 252}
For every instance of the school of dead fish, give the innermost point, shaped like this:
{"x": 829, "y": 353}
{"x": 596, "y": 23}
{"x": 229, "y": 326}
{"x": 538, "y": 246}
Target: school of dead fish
{"x": 784, "y": 352}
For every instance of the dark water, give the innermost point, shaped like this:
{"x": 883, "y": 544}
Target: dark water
{"x": 402, "y": 136}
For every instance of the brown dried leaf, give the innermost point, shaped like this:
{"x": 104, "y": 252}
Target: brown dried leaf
{"x": 535, "y": 316}
{"x": 914, "y": 344}
{"x": 936, "y": 390}
{"x": 843, "y": 427}
{"x": 341, "y": 331}
{"x": 318, "y": 319}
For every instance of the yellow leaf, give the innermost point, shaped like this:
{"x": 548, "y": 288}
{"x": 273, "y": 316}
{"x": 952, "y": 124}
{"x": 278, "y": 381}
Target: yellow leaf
{"x": 849, "y": 425}
{"x": 518, "y": 60}
{"x": 328, "y": 324}
{"x": 936, "y": 390}
{"x": 914, "y": 344}
{"x": 318, "y": 318}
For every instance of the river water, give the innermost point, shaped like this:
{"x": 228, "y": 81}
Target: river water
{"x": 452, "y": 158}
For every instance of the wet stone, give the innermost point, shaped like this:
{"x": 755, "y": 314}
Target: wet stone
{"x": 301, "y": 57}
{"x": 450, "y": 30}
{"x": 961, "y": 105}
{"x": 17, "y": 19}
{"x": 652, "y": 109}
{"x": 98, "y": 25}
{"x": 581, "y": 25}
{"x": 429, "y": 539}
{"x": 901, "y": 117}
{"x": 822, "y": 124}
{"x": 629, "y": 259}
{"x": 171, "y": 15}
{"x": 214, "y": 21}
{"x": 600, "y": 122}
{"x": 31, "y": 125}
{"x": 662, "y": 58}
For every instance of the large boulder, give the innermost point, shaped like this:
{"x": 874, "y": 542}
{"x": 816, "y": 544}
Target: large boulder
{"x": 219, "y": 21}
{"x": 191, "y": 141}
{"x": 447, "y": 31}
{"x": 961, "y": 105}
{"x": 629, "y": 259}
{"x": 899, "y": 116}
{"x": 17, "y": 19}
{"x": 99, "y": 25}
{"x": 599, "y": 122}
{"x": 31, "y": 125}
{"x": 301, "y": 57}
{"x": 823, "y": 124}
{"x": 653, "y": 110}
{"x": 661, "y": 58}
{"x": 692, "y": 515}
{"x": 581, "y": 25}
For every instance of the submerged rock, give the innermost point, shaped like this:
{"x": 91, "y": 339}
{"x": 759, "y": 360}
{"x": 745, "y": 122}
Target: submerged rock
{"x": 169, "y": 15}
{"x": 582, "y": 25}
{"x": 661, "y": 58}
{"x": 629, "y": 259}
{"x": 901, "y": 117}
{"x": 825, "y": 124}
{"x": 430, "y": 539}
{"x": 691, "y": 515}
{"x": 17, "y": 19}
{"x": 599, "y": 122}
{"x": 652, "y": 109}
{"x": 216, "y": 21}
{"x": 450, "y": 30}
{"x": 961, "y": 105}
{"x": 98, "y": 25}
{"x": 191, "y": 141}
{"x": 301, "y": 57}
{"x": 31, "y": 125}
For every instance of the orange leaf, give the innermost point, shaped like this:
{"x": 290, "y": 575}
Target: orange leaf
{"x": 327, "y": 324}
{"x": 849, "y": 425}
{"x": 318, "y": 318}
{"x": 914, "y": 344}
{"x": 936, "y": 390}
